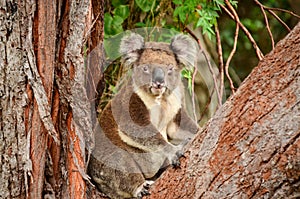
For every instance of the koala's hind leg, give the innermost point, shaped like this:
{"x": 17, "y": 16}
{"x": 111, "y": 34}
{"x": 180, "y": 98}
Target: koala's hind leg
{"x": 115, "y": 182}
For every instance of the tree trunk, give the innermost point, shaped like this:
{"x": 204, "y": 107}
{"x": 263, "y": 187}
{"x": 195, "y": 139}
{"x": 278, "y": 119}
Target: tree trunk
{"x": 251, "y": 147}
{"x": 45, "y": 123}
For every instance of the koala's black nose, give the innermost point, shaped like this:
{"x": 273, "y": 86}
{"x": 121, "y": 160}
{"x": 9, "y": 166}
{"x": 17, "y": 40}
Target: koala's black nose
{"x": 158, "y": 77}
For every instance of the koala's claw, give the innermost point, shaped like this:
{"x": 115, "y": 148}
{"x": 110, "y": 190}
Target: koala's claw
{"x": 143, "y": 192}
{"x": 175, "y": 160}
{"x": 147, "y": 184}
{"x": 144, "y": 189}
{"x": 180, "y": 154}
{"x": 175, "y": 163}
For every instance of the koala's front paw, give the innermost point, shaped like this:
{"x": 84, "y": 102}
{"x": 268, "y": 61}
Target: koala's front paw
{"x": 175, "y": 160}
{"x": 143, "y": 190}
{"x": 179, "y": 152}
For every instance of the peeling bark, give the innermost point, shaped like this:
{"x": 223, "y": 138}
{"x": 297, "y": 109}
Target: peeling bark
{"x": 14, "y": 162}
{"x": 251, "y": 147}
{"x": 45, "y": 118}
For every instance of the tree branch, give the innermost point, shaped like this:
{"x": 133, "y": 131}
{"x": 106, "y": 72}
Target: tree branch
{"x": 266, "y": 21}
{"x": 259, "y": 54}
{"x": 220, "y": 56}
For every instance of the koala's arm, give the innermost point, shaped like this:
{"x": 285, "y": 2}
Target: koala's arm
{"x": 182, "y": 127}
{"x": 135, "y": 127}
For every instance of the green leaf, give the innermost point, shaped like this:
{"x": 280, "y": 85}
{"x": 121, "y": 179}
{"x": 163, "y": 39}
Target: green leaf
{"x": 209, "y": 32}
{"x": 117, "y": 3}
{"x": 107, "y": 23}
{"x": 178, "y": 2}
{"x": 176, "y": 11}
{"x": 112, "y": 25}
{"x": 117, "y": 25}
{"x": 140, "y": 24}
{"x": 117, "y": 20}
{"x": 188, "y": 74}
{"x": 122, "y": 11}
{"x": 182, "y": 14}
{"x": 233, "y": 3}
{"x": 218, "y": 3}
{"x": 145, "y": 5}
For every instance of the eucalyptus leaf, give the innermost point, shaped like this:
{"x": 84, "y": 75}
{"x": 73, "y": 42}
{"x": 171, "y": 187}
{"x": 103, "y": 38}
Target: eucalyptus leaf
{"x": 112, "y": 25}
{"x": 107, "y": 23}
{"x": 117, "y": 3}
{"x": 145, "y": 5}
{"x": 122, "y": 11}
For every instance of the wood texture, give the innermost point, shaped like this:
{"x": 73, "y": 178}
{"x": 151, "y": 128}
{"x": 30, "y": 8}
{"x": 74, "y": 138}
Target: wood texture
{"x": 43, "y": 128}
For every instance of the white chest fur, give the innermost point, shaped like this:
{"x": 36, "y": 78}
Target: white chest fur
{"x": 162, "y": 109}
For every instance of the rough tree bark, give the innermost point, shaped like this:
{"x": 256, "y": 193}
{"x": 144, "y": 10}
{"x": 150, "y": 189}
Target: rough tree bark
{"x": 251, "y": 147}
{"x": 44, "y": 114}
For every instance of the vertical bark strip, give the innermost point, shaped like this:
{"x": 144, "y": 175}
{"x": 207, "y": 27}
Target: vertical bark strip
{"x": 43, "y": 37}
{"x": 43, "y": 101}
{"x": 13, "y": 148}
{"x": 71, "y": 84}
{"x": 251, "y": 147}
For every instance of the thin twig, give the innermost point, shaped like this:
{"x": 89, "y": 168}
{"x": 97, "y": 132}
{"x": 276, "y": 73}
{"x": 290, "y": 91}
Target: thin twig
{"x": 259, "y": 54}
{"x": 211, "y": 71}
{"x": 263, "y": 8}
{"x": 266, "y": 21}
{"x": 236, "y": 35}
{"x": 220, "y": 57}
{"x": 280, "y": 20}
{"x": 230, "y": 58}
{"x": 282, "y": 10}
{"x": 193, "y": 93}
{"x": 270, "y": 10}
{"x": 202, "y": 50}
{"x": 88, "y": 32}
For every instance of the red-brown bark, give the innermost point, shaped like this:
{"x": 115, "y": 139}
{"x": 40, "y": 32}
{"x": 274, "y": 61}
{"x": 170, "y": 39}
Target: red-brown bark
{"x": 44, "y": 36}
{"x": 41, "y": 66}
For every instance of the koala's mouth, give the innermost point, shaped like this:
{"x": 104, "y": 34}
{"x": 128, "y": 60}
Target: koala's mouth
{"x": 158, "y": 90}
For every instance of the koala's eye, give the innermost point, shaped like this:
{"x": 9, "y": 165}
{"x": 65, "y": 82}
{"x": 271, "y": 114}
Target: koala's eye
{"x": 171, "y": 68}
{"x": 146, "y": 68}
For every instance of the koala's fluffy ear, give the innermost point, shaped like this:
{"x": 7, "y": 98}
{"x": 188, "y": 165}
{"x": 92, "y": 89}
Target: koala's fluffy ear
{"x": 130, "y": 46}
{"x": 185, "y": 49}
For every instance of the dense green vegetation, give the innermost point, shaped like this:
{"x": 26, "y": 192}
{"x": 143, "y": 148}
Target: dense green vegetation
{"x": 206, "y": 16}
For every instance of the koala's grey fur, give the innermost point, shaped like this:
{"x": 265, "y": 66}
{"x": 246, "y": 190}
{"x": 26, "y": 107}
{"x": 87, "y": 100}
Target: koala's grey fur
{"x": 145, "y": 126}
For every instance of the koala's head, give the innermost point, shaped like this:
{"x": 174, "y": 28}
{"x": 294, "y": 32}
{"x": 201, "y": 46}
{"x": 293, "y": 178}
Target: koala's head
{"x": 157, "y": 65}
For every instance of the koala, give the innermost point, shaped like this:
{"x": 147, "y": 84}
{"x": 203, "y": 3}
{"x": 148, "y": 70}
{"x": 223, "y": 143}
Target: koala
{"x": 145, "y": 126}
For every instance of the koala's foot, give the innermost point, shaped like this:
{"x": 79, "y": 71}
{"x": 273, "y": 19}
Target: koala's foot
{"x": 143, "y": 190}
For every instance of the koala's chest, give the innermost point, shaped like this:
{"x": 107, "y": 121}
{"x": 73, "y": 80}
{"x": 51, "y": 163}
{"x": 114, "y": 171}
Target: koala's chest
{"x": 162, "y": 110}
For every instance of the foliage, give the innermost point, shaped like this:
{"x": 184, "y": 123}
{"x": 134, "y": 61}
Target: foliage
{"x": 205, "y": 15}
{"x": 188, "y": 74}
{"x": 201, "y": 13}
{"x": 146, "y": 5}
{"x": 113, "y": 23}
